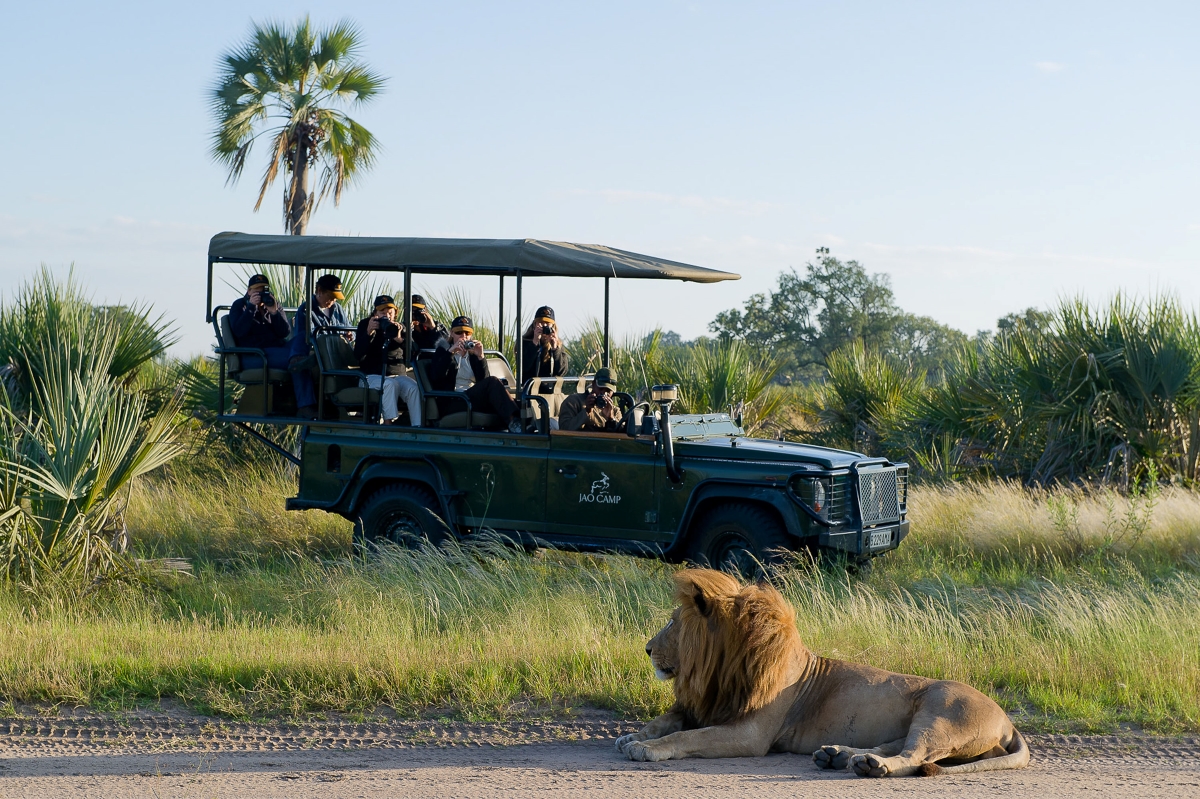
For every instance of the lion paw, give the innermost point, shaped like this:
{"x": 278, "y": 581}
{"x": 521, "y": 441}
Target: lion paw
{"x": 869, "y": 766}
{"x": 637, "y": 750}
{"x": 626, "y": 740}
{"x": 832, "y": 757}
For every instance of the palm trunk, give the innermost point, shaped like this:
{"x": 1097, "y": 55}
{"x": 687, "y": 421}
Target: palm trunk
{"x": 298, "y": 206}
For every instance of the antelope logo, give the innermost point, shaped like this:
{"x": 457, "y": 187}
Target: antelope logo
{"x": 599, "y": 492}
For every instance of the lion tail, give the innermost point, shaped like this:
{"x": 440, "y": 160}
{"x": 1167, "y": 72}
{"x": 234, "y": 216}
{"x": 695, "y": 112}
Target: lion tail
{"x": 1017, "y": 757}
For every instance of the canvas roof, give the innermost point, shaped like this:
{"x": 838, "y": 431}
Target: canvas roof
{"x": 458, "y": 256}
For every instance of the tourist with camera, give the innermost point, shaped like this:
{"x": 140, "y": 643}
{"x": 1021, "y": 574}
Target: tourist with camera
{"x": 326, "y": 313}
{"x": 258, "y": 320}
{"x": 458, "y": 365}
{"x": 379, "y": 348}
{"x": 543, "y": 354}
{"x": 426, "y": 331}
{"x": 595, "y": 410}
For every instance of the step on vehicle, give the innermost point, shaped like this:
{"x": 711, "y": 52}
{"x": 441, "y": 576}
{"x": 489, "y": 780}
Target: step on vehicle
{"x": 684, "y": 486}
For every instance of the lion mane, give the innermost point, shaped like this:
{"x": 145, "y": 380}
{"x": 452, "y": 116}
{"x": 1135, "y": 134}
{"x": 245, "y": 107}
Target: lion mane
{"x": 735, "y": 644}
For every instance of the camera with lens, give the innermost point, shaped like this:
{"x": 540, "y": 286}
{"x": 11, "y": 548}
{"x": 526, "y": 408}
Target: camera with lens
{"x": 266, "y": 298}
{"x": 388, "y": 328}
{"x": 471, "y": 344}
{"x": 547, "y": 330}
{"x": 603, "y": 401}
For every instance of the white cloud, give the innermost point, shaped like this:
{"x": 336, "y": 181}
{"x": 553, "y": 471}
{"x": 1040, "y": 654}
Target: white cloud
{"x": 1050, "y": 66}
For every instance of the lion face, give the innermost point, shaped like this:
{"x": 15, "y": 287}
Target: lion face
{"x": 663, "y": 649}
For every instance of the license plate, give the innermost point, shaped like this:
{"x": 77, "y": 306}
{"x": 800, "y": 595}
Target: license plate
{"x": 879, "y": 538}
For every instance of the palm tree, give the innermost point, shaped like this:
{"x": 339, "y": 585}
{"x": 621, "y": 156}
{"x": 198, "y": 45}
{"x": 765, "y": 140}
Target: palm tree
{"x": 287, "y": 83}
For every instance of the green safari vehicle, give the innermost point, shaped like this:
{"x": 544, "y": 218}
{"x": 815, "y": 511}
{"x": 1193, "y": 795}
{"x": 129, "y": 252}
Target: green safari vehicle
{"x": 686, "y": 486}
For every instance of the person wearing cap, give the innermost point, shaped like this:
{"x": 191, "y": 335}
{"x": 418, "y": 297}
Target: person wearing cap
{"x": 457, "y": 365}
{"x": 543, "y": 352}
{"x": 594, "y": 410}
{"x": 326, "y": 313}
{"x": 426, "y": 330}
{"x": 379, "y": 347}
{"x": 258, "y": 320}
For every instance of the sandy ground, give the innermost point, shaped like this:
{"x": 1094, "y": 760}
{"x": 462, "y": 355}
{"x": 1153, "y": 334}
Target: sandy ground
{"x": 170, "y": 756}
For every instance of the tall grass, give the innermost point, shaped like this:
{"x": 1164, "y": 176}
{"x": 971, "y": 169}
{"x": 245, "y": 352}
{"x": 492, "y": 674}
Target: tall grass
{"x": 283, "y": 617}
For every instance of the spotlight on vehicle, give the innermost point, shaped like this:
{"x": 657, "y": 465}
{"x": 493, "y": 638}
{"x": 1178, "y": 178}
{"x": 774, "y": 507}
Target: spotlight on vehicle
{"x": 664, "y": 393}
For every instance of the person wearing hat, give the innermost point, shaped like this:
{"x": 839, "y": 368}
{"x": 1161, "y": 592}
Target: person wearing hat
{"x": 326, "y": 313}
{"x": 426, "y": 330}
{"x": 594, "y": 410}
{"x": 543, "y": 353}
{"x": 258, "y": 320}
{"x": 458, "y": 365}
{"x": 379, "y": 347}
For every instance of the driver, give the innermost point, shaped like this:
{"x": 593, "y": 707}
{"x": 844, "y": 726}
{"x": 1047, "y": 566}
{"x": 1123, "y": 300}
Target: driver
{"x": 595, "y": 410}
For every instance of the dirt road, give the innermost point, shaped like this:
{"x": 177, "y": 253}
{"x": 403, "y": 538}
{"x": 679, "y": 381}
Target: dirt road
{"x": 169, "y": 756}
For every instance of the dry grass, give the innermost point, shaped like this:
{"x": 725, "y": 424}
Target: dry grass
{"x": 282, "y": 618}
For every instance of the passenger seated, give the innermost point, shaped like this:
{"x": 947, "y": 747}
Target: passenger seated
{"x": 426, "y": 330}
{"x": 543, "y": 354}
{"x": 458, "y": 365}
{"x": 326, "y": 313}
{"x": 257, "y": 320}
{"x": 379, "y": 347}
{"x": 595, "y": 410}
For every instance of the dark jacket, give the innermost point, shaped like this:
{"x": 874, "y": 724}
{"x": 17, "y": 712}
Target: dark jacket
{"x": 368, "y": 349}
{"x": 443, "y": 369}
{"x": 253, "y": 328}
{"x": 532, "y": 364}
{"x": 300, "y": 343}
{"x": 428, "y": 339}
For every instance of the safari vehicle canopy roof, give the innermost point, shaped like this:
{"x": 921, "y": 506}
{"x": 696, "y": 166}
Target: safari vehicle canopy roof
{"x": 530, "y": 257}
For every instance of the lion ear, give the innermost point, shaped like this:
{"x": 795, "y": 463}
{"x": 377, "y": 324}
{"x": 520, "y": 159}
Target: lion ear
{"x": 701, "y": 602}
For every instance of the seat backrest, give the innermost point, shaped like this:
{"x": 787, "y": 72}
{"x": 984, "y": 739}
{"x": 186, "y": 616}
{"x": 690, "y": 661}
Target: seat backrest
{"x": 431, "y": 408}
{"x": 563, "y": 387}
{"x": 336, "y": 353}
{"x": 233, "y": 361}
{"x": 498, "y": 367}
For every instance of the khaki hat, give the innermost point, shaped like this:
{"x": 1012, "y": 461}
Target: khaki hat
{"x": 605, "y": 377}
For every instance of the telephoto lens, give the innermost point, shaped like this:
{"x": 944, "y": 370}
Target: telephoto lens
{"x": 266, "y": 298}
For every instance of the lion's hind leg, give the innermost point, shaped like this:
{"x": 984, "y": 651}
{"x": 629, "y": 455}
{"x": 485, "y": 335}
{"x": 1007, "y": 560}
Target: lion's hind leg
{"x": 837, "y": 757}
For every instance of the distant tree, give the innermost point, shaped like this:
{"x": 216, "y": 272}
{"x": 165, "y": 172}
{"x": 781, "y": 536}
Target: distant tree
{"x": 808, "y": 317}
{"x": 1030, "y": 319}
{"x": 290, "y": 83}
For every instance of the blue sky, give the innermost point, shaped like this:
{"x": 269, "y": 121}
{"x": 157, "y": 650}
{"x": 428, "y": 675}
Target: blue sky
{"x": 988, "y": 156}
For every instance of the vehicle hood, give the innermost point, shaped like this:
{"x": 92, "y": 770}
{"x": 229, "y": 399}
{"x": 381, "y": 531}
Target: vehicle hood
{"x": 741, "y": 448}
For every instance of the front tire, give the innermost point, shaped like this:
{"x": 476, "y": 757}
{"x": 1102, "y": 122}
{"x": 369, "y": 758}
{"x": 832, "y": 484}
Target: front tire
{"x": 404, "y": 514}
{"x": 740, "y": 539}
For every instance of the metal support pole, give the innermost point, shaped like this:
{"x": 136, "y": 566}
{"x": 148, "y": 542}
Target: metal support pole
{"x": 309, "y": 312}
{"x": 606, "y": 328}
{"x": 408, "y": 338}
{"x": 500, "y": 332}
{"x": 208, "y": 315}
{"x": 519, "y": 350}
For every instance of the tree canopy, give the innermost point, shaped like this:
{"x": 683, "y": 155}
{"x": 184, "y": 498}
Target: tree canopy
{"x": 808, "y": 317}
{"x": 290, "y": 84}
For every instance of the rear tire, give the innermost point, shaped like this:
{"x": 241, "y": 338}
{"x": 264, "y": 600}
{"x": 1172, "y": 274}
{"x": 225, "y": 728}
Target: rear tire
{"x": 739, "y": 538}
{"x": 404, "y": 514}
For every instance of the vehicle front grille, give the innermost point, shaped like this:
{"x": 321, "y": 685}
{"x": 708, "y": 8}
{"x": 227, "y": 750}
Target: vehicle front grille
{"x": 878, "y": 499}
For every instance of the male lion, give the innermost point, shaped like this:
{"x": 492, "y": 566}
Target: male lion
{"x": 746, "y": 685}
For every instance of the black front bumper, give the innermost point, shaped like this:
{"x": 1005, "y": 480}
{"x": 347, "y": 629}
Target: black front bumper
{"x": 869, "y": 542}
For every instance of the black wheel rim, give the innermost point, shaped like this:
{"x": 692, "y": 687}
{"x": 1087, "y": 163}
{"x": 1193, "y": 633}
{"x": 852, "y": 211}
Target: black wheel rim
{"x": 733, "y": 554}
{"x": 403, "y": 528}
